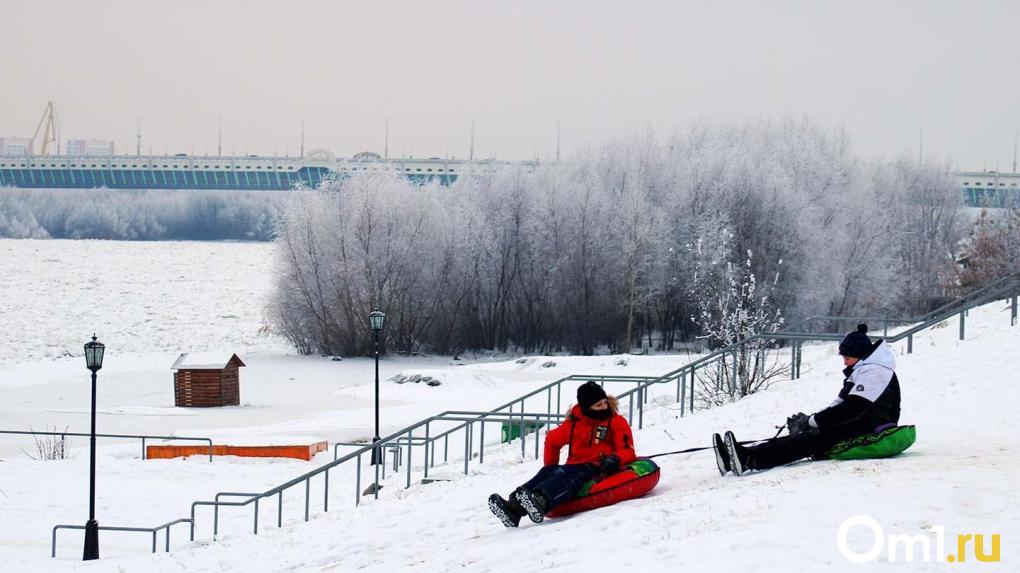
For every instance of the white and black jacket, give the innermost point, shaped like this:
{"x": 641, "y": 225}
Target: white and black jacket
{"x": 870, "y": 397}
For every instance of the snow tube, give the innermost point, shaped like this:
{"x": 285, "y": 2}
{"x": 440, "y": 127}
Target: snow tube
{"x": 634, "y": 480}
{"x": 869, "y": 446}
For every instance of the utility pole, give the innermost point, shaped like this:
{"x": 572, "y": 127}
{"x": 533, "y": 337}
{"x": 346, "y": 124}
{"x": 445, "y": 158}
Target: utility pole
{"x": 557, "y": 141}
{"x": 138, "y": 137}
{"x": 1016, "y": 135}
{"x": 920, "y": 149}
{"x": 471, "y": 151}
{"x": 386, "y": 140}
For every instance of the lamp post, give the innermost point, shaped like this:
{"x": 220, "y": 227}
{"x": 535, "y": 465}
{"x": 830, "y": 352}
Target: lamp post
{"x": 375, "y": 322}
{"x": 93, "y": 361}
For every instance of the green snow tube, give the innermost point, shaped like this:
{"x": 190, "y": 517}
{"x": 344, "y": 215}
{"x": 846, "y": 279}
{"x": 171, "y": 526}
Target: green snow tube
{"x": 869, "y": 446}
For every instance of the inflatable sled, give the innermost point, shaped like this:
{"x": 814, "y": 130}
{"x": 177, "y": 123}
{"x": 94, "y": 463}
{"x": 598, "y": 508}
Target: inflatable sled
{"x": 634, "y": 480}
{"x": 884, "y": 444}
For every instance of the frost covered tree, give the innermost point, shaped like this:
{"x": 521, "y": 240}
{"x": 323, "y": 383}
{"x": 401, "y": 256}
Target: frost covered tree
{"x": 595, "y": 254}
{"x": 139, "y": 215}
{"x": 734, "y": 309}
{"x": 992, "y": 248}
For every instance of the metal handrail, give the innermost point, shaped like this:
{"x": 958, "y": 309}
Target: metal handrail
{"x": 467, "y": 419}
{"x": 142, "y": 437}
{"x": 974, "y": 294}
{"x": 152, "y": 530}
{"x": 466, "y": 416}
{"x": 405, "y": 436}
{"x": 1003, "y": 291}
{"x": 1008, "y": 287}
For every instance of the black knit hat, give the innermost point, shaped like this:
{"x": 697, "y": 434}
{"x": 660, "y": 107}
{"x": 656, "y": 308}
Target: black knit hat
{"x": 589, "y": 393}
{"x": 856, "y": 344}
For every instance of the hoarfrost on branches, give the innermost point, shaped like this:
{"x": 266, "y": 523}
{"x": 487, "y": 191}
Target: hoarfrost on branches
{"x": 602, "y": 252}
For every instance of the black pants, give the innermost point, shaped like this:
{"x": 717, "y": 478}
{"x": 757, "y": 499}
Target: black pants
{"x": 558, "y": 484}
{"x": 788, "y": 449}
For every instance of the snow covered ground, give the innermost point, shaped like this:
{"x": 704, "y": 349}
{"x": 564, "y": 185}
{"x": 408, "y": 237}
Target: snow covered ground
{"x": 960, "y": 474}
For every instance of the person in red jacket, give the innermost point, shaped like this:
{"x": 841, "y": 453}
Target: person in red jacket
{"x": 599, "y": 442}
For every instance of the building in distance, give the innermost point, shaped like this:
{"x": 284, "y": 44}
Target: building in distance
{"x": 16, "y": 146}
{"x": 89, "y": 147}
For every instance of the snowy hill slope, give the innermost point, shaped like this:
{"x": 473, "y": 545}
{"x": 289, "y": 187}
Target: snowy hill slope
{"x": 960, "y": 475}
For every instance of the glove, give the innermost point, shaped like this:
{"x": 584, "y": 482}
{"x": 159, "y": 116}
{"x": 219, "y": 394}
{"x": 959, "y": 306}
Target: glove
{"x": 799, "y": 424}
{"x": 610, "y": 464}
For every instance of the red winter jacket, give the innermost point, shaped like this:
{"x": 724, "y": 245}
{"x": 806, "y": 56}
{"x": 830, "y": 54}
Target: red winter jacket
{"x": 590, "y": 439}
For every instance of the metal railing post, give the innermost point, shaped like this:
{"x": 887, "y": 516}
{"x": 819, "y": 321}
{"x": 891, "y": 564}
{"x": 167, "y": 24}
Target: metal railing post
{"x": 690, "y": 409}
{"x": 523, "y": 444}
{"x": 357, "y": 483}
{"x": 325, "y": 494}
{"x": 410, "y": 445}
{"x": 467, "y": 432}
{"x": 255, "y": 528}
{"x": 426, "y": 458}
{"x": 481, "y": 442}
{"x": 681, "y": 382}
{"x": 910, "y": 343}
{"x": 800, "y": 357}
{"x": 963, "y": 323}
{"x": 640, "y": 407}
{"x": 537, "y": 429}
{"x": 279, "y": 509}
{"x": 793, "y": 361}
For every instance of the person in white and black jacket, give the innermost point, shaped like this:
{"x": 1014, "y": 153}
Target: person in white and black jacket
{"x": 869, "y": 402}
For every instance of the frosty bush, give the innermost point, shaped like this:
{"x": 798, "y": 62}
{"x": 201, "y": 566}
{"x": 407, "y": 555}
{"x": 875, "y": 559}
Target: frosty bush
{"x": 50, "y": 447}
{"x": 733, "y": 311}
{"x": 593, "y": 254}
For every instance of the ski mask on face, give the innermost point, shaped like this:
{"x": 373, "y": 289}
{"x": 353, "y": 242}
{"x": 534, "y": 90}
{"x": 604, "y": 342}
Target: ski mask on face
{"x": 588, "y": 394}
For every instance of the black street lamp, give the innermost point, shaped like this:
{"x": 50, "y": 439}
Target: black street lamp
{"x": 375, "y": 322}
{"x": 93, "y": 361}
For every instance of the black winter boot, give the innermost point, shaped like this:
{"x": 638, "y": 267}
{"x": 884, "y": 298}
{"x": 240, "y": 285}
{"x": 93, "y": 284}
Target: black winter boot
{"x": 504, "y": 510}
{"x": 533, "y": 503}
{"x": 737, "y": 453}
{"x": 722, "y": 458}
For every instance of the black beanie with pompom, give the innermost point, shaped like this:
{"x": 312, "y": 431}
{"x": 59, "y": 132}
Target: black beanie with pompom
{"x": 856, "y": 344}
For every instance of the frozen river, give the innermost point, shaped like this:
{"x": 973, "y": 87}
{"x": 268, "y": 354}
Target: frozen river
{"x": 137, "y": 296}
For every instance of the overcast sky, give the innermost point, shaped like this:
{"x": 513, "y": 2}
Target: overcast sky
{"x": 883, "y": 70}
